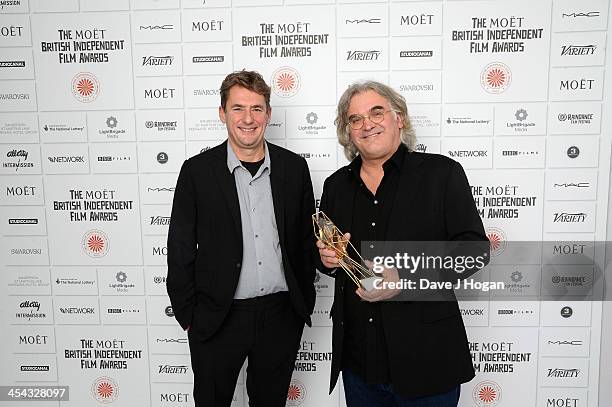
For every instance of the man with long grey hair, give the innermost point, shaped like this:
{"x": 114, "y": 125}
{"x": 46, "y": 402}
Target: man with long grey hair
{"x": 393, "y": 352}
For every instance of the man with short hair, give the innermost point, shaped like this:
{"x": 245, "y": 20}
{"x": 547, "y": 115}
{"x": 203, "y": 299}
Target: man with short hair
{"x": 394, "y": 353}
{"x": 240, "y": 264}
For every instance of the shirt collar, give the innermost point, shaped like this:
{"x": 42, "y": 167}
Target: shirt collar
{"x": 233, "y": 162}
{"x": 395, "y": 161}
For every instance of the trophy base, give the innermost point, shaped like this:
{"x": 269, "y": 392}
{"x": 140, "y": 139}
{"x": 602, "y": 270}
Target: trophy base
{"x": 368, "y": 283}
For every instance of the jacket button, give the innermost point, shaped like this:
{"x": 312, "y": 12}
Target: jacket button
{"x": 238, "y": 265}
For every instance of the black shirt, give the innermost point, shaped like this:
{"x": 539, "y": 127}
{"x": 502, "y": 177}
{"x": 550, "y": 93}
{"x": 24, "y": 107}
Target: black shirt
{"x": 252, "y": 167}
{"x": 365, "y": 350}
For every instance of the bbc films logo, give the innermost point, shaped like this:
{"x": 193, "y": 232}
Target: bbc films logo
{"x": 495, "y": 78}
{"x": 105, "y": 390}
{"x": 95, "y": 243}
{"x": 296, "y": 393}
{"x": 85, "y": 87}
{"x": 285, "y": 82}
{"x": 487, "y": 394}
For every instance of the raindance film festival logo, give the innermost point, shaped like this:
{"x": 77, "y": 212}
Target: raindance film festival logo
{"x": 85, "y": 87}
{"x": 105, "y": 390}
{"x": 95, "y": 243}
{"x": 486, "y": 394}
{"x": 497, "y": 239}
{"x": 285, "y": 82}
{"x": 296, "y": 393}
{"x": 495, "y": 78}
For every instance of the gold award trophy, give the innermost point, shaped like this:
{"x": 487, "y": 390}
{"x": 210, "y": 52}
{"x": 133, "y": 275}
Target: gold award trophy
{"x": 333, "y": 238}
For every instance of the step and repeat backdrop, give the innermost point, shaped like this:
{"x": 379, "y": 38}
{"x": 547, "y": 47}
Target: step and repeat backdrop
{"x": 102, "y": 101}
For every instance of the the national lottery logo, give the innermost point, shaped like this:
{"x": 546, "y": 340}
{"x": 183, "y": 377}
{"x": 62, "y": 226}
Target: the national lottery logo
{"x": 285, "y": 82}
{"x": 487, "y": 394}
{"x": 495, "y": 78}
{"x": 497, "y": 239}
{"x": 105, "y": 390}
{"x": 85, "y": 87}
{"x": 296, "y": 393}
{"x": 95, "y": 243}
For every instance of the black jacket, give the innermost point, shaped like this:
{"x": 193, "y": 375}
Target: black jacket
{"x": 426, "y": 341}
{"x": 205, "y": 237}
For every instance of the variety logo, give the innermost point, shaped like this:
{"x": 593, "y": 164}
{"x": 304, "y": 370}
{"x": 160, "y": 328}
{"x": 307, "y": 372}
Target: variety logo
{"x": 567, "y": 312}
{"x": 285, "y": 82}
{"x": 578, "y": 50}
{"x": 172, "y": 369}
{"x": 85, "y": 87}
{"x": 565, "y": 217}
{"x": 95, "y": 243}
{"x": 495, "y": 78}
{"x": 363, "y": 21}
{"x": 152, "y": 60}
{"x": 208, "y": 58}
{"x": 573, "y": 152}
{"x": 296, "y": 393}
{"x": 487, "y": 394}
{"x": 160, "y": 220}
{"x": 104, "y": 390}
{"x": 362, "y": 55}
{"x": 563, "y": 372}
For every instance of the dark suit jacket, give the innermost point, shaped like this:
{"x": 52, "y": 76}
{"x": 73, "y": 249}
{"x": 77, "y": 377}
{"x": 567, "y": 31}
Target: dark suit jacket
{"x": 426, "y": 341}
{"x": 205, "y": 237}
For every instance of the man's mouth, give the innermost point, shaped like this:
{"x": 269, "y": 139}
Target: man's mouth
{"x": 247, "y": 129}
{"x": 374, "y": 134}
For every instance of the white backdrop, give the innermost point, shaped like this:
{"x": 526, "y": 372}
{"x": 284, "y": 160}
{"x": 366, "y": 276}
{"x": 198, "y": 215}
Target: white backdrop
{"x": 101, "y": 101}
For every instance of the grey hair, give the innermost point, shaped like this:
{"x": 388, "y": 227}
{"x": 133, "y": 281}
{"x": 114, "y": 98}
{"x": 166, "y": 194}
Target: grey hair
{"x": 397, "y": 103}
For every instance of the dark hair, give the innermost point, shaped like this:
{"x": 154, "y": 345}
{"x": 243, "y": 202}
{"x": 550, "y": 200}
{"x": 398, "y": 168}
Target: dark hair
{"x": 250, "y": 80}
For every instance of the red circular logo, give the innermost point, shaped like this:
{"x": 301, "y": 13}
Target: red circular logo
{"x": 296, "y": 393}
{"x": 85, "y": 87}
{"x": 285, "y": 82}
{"x": 497, "y": 239}
{"x": 95, "y": 243}
{"x": 495, "y": 78}
{"x": 486, "y": 394}
{"x": 105, "y": 390}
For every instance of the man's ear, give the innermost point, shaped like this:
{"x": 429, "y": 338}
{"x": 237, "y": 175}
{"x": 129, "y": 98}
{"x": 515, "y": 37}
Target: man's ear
{"x": 222, "y": 114}
{"x": 400, "y": 122}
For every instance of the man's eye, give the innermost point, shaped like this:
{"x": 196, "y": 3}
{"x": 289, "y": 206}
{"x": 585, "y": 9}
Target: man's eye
{"x": 377, "y": 113}
{"x": 355, "y": 119}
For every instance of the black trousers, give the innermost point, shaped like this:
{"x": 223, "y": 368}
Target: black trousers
{"x": 267, "y": 331}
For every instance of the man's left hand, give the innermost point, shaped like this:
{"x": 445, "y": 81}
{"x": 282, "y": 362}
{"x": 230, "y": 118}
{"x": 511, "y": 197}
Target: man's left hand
{"x": 382, "y": 293}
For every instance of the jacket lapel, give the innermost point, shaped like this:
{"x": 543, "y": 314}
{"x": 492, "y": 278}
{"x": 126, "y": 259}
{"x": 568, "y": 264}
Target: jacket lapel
{"x": 407, "y": 190}
{"x": 227, "y": 184}
{"x": 277, "y": 184}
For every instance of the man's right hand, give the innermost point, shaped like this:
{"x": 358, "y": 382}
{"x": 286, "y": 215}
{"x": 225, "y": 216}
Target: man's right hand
{"x": 328, "y": 256}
